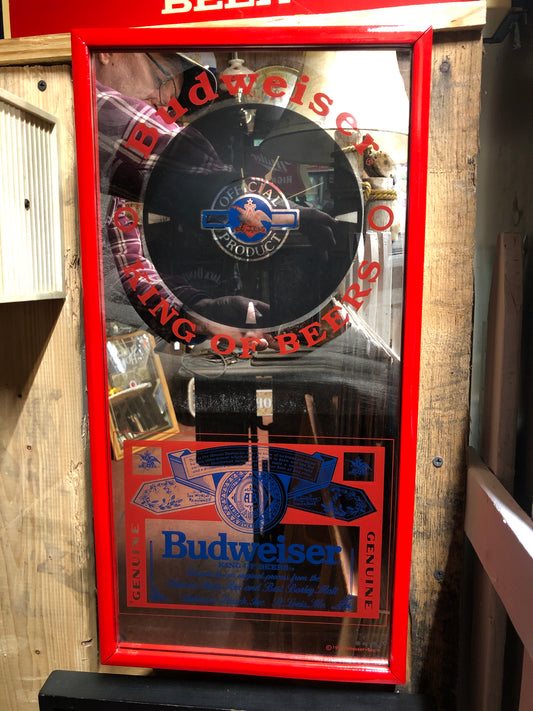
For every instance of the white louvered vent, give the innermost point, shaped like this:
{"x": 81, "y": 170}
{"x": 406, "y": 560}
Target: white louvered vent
{"x": 31, "y": 244}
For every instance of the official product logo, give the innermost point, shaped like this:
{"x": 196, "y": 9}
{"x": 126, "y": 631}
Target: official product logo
{"x": 251, "y": 501}
{"x": 250, "y": 219}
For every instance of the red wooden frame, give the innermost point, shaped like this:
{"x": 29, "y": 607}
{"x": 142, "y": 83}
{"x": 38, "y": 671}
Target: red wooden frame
{"x": 112, "y": 650}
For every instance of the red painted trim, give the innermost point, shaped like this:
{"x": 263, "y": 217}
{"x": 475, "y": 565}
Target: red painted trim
{"x": 418, "y": 160}
{"x": 229, "y": 37}
{"x": 95, "y": 344}
{"x": 235, "y": 664}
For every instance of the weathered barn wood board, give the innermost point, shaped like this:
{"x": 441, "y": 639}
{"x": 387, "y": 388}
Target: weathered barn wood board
{"x": 47, "y": 599}
{"x": 445, "y": 365}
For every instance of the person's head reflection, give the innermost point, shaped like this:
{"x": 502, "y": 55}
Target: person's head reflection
{"x": 152, "y": 77}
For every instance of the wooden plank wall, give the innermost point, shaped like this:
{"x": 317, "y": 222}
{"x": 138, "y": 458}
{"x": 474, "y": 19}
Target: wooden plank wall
{"x": 436, "y": 576}
{"x": 47, "y": 598}
{"x": 47, "y": 593}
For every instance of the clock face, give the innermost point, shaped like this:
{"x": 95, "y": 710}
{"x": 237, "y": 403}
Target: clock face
{"x": 258, "y": 201}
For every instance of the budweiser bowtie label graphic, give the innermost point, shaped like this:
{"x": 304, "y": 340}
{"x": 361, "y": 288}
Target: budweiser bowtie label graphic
{"x": 250, "y": 527}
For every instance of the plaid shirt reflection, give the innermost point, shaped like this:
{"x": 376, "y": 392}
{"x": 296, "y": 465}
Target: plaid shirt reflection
{"x": 124, "y": 174}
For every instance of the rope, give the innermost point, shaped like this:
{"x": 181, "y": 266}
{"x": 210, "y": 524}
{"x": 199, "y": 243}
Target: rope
{"x": 370, "y": 194}
{"x": 383, "y": 195}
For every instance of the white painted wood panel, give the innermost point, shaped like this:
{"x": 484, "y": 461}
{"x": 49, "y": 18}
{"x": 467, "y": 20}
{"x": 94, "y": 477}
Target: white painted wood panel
{"x": 31, "y": 244}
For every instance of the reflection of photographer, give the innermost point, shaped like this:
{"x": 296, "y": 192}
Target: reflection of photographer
{"x": 142, "y": 85}
{"x": 131, "y": 87}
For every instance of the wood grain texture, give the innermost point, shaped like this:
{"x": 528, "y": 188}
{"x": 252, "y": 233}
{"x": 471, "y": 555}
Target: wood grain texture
{"x": 32, "y": 50}
{"x": 47, "y": 598}
{"x": 445, "y": 366}
{"x": 502, "y": 366}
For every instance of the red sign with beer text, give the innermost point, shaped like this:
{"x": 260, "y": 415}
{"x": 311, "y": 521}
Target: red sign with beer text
{"x": 33, "y": 17}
